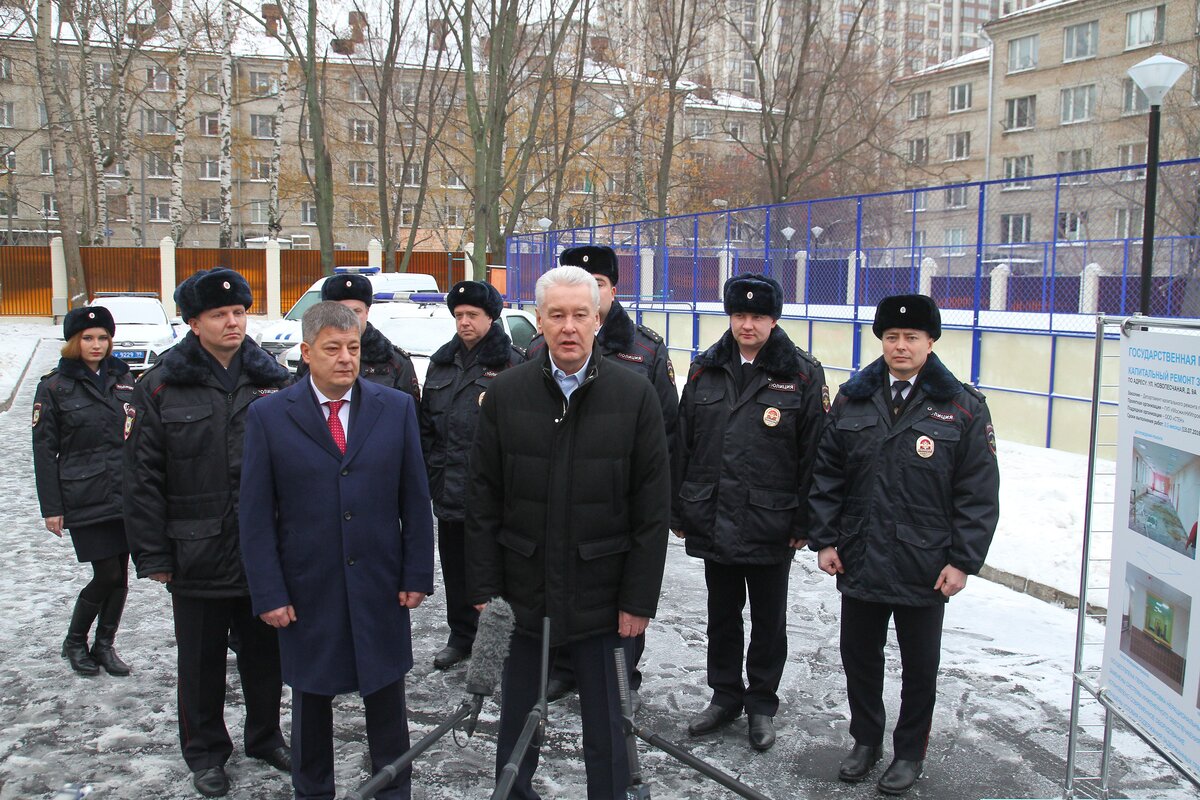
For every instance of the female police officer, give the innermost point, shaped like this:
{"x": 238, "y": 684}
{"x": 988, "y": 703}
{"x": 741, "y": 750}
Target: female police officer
{"x": 81, "y": 417}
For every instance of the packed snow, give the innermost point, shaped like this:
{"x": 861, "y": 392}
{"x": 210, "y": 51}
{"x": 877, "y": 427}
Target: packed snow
{"x": 999, "y": 731}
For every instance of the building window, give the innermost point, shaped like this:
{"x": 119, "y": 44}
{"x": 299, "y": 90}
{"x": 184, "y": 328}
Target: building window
{"x": 356, "y": 217}
{"x": 158, "y": 208}
{"x": 454, "y": 216}
{"x": 918, "y": 151}
{"x": 454, "y": 181}
{"x": 362, "y": 130}
{"x": 914, "y": 238}
{"x": 408, "y": 215}
{"x": 1079, "y": 41}
{"x": 158, "y": 166}
{"x": 700, "y": 127}
{"x": 115, "y": 170}
{"x": 358, "y": 92}
{"x": 260, "y": 169}
{"x": 1133, "y": 100}
{"x": 308, "y": 213}
{"x": 1129, "y": 154}
{"x": 918, "y": 105}
{"x": 1072, "y": 225}
{"x": 1020, "y": 113}
{"x": 8, "y": 205}
{"x": 1078, "y": 103}
{"x": 158, "y": 79}
{"x": 916, "y": 199}
{"x": 259, "y": 212}
{"x": 210, "y": 82}
{"x": 362, "y": 173}
{"x": 1144, "y": 27}
{"x": 262, "y": 84}
{"x": 8, "y": 158}
{"x": 157, "y": 122}
{"x": 6, "y": 68}
{"x": 412, "y": 174}
{"x": 210, "y": 169}
{"x": 47, "y": 161}
{"x": 1017, "y": 171}
{"x": 1023, "y": 53}
{"x": 1129, "y": 223}
{"x": 262, "y": 126}
{"x": 956, "y": 241}
{"x": 960, "y": 97}
{"x": 736, "y": 130}
{"x": 8, "y": 114}
{"x": 209, "y": 124}
{"x": 49, "y": 206}
{"x": 1075, "y": 161}
{"x": 956, "y": 196}
{"x": 1015, "y": 228}
{"x": 958, "y": 146}
{"x": 102, "y": 73}
{"x": 210, "y": 209}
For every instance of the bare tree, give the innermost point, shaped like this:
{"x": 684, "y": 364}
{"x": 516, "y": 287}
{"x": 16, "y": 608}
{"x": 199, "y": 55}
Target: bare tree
{"x": 274, "y": 216}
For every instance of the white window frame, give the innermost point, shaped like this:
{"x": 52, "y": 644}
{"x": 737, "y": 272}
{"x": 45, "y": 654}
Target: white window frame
{"x": 1138, "y": 33}
{"x": 47, "y": 161}
{"x": 8, "y": 114}
{"x": 1072, "y": 38}
{"x": 918, "y": 151}
{"x": 5, "y": 68}
{"x": 49, "y": 205}
{"x": 1127, "y": 154}
{"x": 158, "y": 79}
{"x": 358, "y": 92}
{"x": 408, "y": 215}
{"x": 1075, "y": 160}
{"x": 263, "y": 84}
{"x": 158, "y": 209}
{"x": 157, "y": 122}
{"x": 1013, "y": 113}
{"x": 210, "y": 168}
{"x": 918, "y": 105}
{"x": 362, "y": 131}
{"x": 1128, "y": 222}
{"x": 958, "y": 146}
{"x": 1071, "y": 226}
{"x": 1133, "y": 99}
{"x": 260, "y": 212}
{"x": 1077, "y": 104}
{"x": 957, "y": 196}
{"x": 8, "y": 159}
{"x": 361, "y": 173}
{"x": 1021, "y": 224}
{"x": 256, "y": 126}
{"x": 1017, "y": 171}
{"x": 260, "y": 170}
{"x": 308, "y": 212}
{"x": 157, "y": 166}
{"x": 960, "y": 97}
{"x": 1023, "y": 53}
{"x": 210, "y": 210}
{"x": 209, "y": 123}
{"x": 454, "y": 216}
{"x": 412, "y": 174}
{"x": 956, "y": 241}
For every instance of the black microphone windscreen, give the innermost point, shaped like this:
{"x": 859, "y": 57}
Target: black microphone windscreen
{"x": 492, "y": 639}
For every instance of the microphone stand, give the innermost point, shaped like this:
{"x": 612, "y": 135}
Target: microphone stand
{"x": 382, "y": 779}
{"x": 638, "y": 790}
{"x": 535, "y": 725}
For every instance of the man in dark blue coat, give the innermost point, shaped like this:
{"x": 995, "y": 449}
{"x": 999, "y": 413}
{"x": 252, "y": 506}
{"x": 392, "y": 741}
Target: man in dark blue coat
{"x": 337, "y": 536}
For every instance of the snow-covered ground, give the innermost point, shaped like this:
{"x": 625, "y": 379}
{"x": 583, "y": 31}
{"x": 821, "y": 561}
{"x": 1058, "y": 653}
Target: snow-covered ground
{"x": 999, "y": 731}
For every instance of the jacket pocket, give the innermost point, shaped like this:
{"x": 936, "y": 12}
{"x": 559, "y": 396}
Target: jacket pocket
{"x": 696, "y": 503}
{"x": 769, "y": 516}
{"x": 518, "y": 544}
{"x": 933, "y": 445}
{"x": 850, "y": 542}
{"x": 187, "y": 437}
{"x": 84, "y": 486}
{"x": 200, "y": 549}
{"x": 921, "y": 553}
{"x": 602, "y": 562}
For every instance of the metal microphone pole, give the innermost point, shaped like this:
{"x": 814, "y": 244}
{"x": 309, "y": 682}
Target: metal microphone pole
{"x": 637, "y": 790}
{"x": 535, "y": 724}
{"x": 382, "y": 779}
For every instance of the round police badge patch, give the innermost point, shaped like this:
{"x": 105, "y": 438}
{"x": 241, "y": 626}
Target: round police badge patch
{"x": 925, "y": 447}
{"x": 225, "y": 285}
{"x": 37, "y": 414}
{"x": 771, "y": 417}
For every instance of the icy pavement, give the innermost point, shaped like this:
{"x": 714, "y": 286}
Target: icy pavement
{"x": 999, "y": 731}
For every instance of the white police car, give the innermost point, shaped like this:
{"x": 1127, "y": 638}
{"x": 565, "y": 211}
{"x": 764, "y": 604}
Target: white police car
{"x": 143, "y": 331}
{"x": 280, "y": 336}
{"x": 421, "y": 323}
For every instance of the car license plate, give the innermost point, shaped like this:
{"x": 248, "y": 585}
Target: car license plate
{"x": 130, "y": 355}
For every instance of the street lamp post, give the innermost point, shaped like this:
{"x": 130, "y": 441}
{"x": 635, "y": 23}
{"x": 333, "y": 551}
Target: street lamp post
{"x": 1155, "y": 76}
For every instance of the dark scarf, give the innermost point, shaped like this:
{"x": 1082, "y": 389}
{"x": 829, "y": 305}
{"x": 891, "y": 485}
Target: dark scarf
{"x": 616, "y": 334}
{"x": 493, "y": 351}
{"x": 778, "y": 357}
{"x": 934, "y": 379}
{"x": 187, "y": 364}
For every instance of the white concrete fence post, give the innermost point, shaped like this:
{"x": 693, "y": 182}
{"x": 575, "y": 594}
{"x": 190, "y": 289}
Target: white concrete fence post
{"x": 1089, "y": 289}
{"x": 725, "y": 260}
{"x": 166, "y": 274}
{"x": 375, "y": 254}
{"x": 646, "y": 277}
{"x": 852, "y": 264}
{"x": 60, "y": 304}
{"x": 998, "y": 295}
{"x": 801, "y": 276}
{"x": 925, "y": 276}
{"x": 274, "y": 301}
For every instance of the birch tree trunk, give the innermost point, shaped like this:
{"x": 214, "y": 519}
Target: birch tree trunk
{"x": 97, "y": 163}
{"x": 181, "y": 98}
{"x": 225, "y": 90}
{"x": 274, "y": 218}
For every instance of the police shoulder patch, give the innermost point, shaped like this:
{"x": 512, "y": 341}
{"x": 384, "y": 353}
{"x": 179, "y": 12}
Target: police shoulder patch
{"x": 991, "y": 438}
{"x": 825, "y": 398}
{"x": 37, "y": 414}
{"x": 631, "y": 357}
{"x": 650, "y": 334}
{"x": 670, "y": 370}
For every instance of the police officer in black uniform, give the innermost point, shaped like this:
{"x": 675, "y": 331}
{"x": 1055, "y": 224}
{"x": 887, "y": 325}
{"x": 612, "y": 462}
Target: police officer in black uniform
{"x": 381, "y": 361}
{"x": 752, "y": 411}
{"x": 904, "y": 502}
{"x": 182, "y": 480}
{"x": 80, "y": 422}
{"x": 458, "y": 377}
{"x": 621, "y": 341}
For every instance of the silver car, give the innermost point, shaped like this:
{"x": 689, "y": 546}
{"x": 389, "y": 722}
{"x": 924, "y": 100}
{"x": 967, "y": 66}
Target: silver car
{"x": 144, "y": 332}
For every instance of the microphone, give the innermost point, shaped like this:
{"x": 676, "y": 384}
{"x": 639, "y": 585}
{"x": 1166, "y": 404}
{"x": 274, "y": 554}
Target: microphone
{"x": 492, "y": 640}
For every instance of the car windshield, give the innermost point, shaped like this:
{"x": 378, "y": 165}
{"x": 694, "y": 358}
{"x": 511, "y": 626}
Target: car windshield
{"x": 306, "y": 301}
{"x": 418, "y": 335}
{"x": 129, "y": 311}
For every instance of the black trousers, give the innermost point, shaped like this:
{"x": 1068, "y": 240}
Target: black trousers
{"x": 460, "y": 614}
{"x": 728, "y": 586}
{"x": 312, "y": 741}
{"x": 604, "y": 752}
{"x": 635, "y": 646}
{"x": 864, "y": 634}
{"x": 202, "y": 630}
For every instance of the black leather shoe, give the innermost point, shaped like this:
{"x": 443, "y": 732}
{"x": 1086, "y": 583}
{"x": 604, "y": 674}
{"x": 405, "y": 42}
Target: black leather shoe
{"x": 762, "y": 732}
{"x": 859, "y": 763}
{"x": 712, "y": 719}
{"x": 899, "y": 777}
{"x": 557, "y": 689}
{"x": 280, "y": 758}
{"x": 448, "y": 656}
{"x": 211, "y": 782}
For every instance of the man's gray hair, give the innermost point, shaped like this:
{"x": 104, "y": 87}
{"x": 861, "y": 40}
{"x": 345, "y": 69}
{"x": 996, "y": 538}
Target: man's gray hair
{"x": 566, "y": 276}
{"x": 327, "y": 314}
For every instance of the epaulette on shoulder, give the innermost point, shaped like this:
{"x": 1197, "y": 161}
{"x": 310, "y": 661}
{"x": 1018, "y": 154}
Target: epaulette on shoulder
{"x": 650, "y": 334}
{"x": 971, "y": 390}
{"x": 402, "y": 352}
{"x": 49, "y": 374}
{"x": 807, "y": 356}
{"x": 519, "y": 349}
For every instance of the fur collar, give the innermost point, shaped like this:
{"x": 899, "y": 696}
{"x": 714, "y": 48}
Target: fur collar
{"x": 376, "y": 348}
{"x": 73, "y": 368}
{"x": 616, "y": 334}
{"x": 495, "y": 349}
{"x": 778, "y": 356}
{"x": 185, "y": 364}
{"x": 935, "y": 380}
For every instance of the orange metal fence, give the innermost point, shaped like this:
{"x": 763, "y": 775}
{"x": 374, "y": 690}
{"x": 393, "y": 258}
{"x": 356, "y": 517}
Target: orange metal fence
{"x": 25, "y": 280}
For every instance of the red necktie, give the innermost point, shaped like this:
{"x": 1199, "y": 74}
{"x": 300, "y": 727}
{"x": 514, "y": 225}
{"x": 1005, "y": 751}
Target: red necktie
{"x": 335, "y": 424}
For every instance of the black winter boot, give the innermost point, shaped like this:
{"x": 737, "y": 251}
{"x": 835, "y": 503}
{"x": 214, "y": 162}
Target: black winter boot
{"x": 106, "y": 630}
{"x": 75, "y": 646}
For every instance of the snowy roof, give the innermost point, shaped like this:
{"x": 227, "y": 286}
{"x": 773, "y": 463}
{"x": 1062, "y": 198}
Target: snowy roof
{"x": 979, "y": 56}
{"x": 1035, "y": 8}
{"x": 723, "y": 100}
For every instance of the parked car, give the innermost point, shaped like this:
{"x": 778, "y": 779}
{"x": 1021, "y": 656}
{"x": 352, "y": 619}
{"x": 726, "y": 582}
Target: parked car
{"x": 282, "y": 335}
{"x": 144, "y": 332}
{"x": 422, "y": 323}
